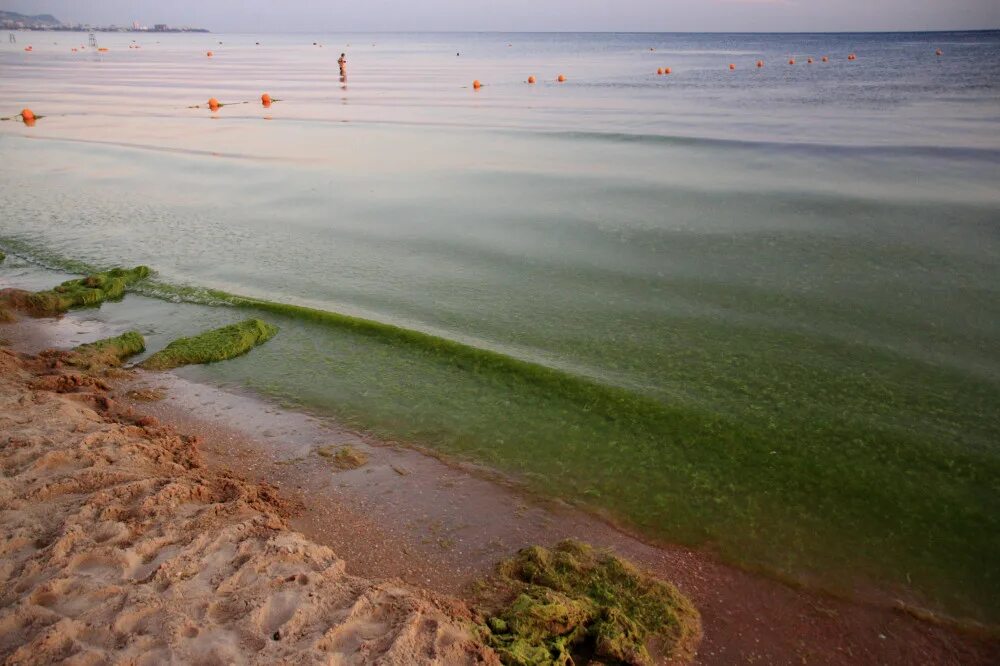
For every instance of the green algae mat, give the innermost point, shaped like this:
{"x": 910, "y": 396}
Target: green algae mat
{"x": 551, "y": 606}
{"x": 88, "y": 291}
{"x": 220, "y": 344}
{"x": 108, "y": 351}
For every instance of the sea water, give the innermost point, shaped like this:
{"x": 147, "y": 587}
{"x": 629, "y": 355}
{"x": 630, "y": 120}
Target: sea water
{"x": 754, "y": 309}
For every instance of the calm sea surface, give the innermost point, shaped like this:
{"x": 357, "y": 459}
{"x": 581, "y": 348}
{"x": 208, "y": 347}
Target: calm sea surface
{"x": 761, "y": 307}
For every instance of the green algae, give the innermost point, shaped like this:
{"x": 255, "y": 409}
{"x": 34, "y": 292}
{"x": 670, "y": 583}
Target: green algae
{"x": 815, "y": 461}
{"x": 109, "y": 352}
{"x": 84, "y": 292}
{"x": 799, "y": 500}
{"x": 573, "y": 600}
{"x": 216, "y": 345}
{"x": 2, "y": 256}
{"x": 45, "y": 257}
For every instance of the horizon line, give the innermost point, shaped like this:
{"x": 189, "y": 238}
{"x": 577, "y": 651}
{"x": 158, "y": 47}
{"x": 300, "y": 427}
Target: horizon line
{"x": 535, "y": 32}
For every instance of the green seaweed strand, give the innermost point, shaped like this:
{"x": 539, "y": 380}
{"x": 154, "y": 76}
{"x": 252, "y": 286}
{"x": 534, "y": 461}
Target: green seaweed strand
{"x": 216, "y": 345}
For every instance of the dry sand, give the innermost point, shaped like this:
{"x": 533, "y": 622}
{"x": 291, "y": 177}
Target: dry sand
{"x": 119, "y": 546}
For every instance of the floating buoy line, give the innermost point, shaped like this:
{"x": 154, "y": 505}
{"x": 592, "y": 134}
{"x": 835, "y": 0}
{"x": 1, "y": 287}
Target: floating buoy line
{"x": 214, "y": 104}
{"x": 28, "y": 117}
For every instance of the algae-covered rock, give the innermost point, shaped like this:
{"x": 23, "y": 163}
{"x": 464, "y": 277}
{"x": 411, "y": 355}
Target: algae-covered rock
{"x": 89, "y": 291}
{"x": 216, "y": 345}
{"x": 552, "y": 605}
{"x": 109, "y": 352}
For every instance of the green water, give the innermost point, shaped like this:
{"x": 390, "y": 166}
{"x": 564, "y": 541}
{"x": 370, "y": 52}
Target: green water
{"x": 881, "y": 467}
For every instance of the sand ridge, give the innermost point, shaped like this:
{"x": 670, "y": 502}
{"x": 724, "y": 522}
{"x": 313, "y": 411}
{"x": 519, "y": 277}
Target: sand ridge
{"x": 119, "y": 546}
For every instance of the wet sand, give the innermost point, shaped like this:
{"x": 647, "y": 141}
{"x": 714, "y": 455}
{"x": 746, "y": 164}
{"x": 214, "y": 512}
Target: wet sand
{"x": 438, "y": 526}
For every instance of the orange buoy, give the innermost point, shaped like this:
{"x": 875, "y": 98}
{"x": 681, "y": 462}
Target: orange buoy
{"x": 659, "y": 71}
{"x": 760, "y": 63}
{"x": 265, "y": 99}
{"x": 476, "y": 84}
{"x": 731, "y": 67}
{"x": 28, "y": 116}
{"x": 213, "y": 104}
{"x": 939, "y": 52}
{"x": 531, "y": 79}
{"x": 103, "y": 49}
{"x": 209, "y": 54}
{"x": 826, "y": 59}
{"x": 561, "y": 78}
{"x": 791, "y": 61}
{"x": 667, "y": 70}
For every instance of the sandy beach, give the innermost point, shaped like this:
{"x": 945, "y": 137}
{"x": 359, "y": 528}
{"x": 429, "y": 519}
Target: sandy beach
{"x": 120, "y": 546}
{"x": 146, "y": 518}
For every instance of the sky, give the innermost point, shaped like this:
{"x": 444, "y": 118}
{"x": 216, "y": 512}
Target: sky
{"x": 527, "y": 15}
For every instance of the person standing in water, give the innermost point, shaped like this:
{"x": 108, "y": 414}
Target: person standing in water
{"x": 342, "y": 61}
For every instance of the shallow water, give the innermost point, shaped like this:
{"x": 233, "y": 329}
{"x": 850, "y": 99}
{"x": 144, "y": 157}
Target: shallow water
{"x": 778, "y": 285}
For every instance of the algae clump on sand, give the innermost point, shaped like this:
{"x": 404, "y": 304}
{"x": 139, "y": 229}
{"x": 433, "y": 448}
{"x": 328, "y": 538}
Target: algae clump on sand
{"x": 553, "y": 606}
{"x": 109, "y": 351}
{"x": 88, "y": 291}
{"x": 216, "y": 345}
{"x": 343, "y": 458}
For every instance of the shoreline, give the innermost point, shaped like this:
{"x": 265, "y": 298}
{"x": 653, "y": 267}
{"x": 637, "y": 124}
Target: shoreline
{"x": 502, "y": 429}
{"x": 409, "y": 516}
{"x": 121, "y": 544}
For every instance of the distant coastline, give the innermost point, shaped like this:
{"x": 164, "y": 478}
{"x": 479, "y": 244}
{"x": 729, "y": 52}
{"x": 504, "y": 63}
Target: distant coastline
{"x": 109, "y": 28}
{"x": 49, "y": 23}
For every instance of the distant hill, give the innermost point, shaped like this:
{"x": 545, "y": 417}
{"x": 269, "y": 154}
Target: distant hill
{"x": 41, "y": 20}
{"x": 17, "y": 21}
